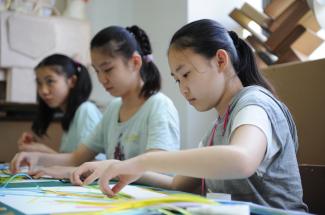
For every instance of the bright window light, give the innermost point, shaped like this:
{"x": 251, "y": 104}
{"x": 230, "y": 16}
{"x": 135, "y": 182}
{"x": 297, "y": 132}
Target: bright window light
{"x": 257, "y": 31}
{"x": 246, "y": 33}
{"x": 320, "y": 51}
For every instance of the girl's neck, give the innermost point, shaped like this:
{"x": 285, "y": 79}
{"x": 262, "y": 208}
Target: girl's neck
{"x": 132, "y": 98}
{"x": 131, "y": 103}
{"x": 63, "y": 107}
{"x": 232, "y": 88}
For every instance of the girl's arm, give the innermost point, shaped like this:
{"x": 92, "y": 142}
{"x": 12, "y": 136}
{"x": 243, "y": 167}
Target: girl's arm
{"x": 34, "y": 159}
{"x": 80, "y": 155}
{"x": 240, "y": 159}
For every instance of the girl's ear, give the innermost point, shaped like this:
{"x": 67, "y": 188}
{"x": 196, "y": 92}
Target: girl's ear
{"x": 222, "y": 59}
{"x": 136, "y": 61}
{"x": 72, "y": 81}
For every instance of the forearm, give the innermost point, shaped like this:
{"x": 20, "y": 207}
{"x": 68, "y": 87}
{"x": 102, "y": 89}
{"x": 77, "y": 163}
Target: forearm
{"x": 217, "y": 162}
{"x": 58, "y": 159}
{"x": 156, "y": 180}
{"x": 76, "y": 158}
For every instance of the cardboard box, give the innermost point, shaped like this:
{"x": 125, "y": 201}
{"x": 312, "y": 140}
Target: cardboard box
{"x": 301, "y": 87}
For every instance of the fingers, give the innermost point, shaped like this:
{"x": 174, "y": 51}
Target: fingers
{"x": 104, "y": 184}
{"x": 91, "y": 178}
{"x": 26, "y": 138}
{"x": 119, "y": 186}
{"x": 75, "y": 177}
{"x": 38, "y": 173}
{"x": 16, "y": 162}
{"x": 85, "y": 170}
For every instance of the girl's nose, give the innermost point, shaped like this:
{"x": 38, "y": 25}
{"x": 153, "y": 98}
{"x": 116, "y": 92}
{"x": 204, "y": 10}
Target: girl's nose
{"x": 183, "y": 88}
{"x": 43, "y": 90}
{"x": 102, "y": 77}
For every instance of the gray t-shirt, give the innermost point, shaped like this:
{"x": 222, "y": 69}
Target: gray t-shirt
{"x": 280, "y": 185}
{"x": 154, "y": 126}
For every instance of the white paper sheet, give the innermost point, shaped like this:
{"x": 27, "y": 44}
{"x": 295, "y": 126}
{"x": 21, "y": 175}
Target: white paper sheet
{"x": 65, "y": 199}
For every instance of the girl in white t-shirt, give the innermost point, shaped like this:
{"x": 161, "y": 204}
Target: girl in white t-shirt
{"x": 63, "y": 87}
{"x": 140, "y": 120}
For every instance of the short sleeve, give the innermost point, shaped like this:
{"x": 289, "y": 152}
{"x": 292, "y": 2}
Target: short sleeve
{"x": 84, "y": 122}
{"x": 95, "y": 140}
{"x": 256, "y": 115}
{"x": 88, "y": 117}
{"x": 163, "y": 127}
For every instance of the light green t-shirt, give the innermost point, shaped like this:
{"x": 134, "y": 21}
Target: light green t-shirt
{"x": 84, "y": 122}
{"x": 154, "y": 126}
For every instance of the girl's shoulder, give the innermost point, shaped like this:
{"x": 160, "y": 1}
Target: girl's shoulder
{"x": 254, "y": 95}
{"x": 159, "y": 103}
{"x": 88, "y": 105}
{"x": 88, "y": 108}
{"x": 113, "y": 106}
{"x": 159, "y": 99}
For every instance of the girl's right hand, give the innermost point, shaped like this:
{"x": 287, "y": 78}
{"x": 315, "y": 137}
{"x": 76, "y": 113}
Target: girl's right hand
{"x": 126, "y": 172}
{"x": 21, "y": 159}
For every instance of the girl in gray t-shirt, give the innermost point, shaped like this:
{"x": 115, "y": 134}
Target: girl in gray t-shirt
{"x": 250, "y": 151}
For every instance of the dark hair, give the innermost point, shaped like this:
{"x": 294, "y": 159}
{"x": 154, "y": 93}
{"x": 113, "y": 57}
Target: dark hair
{"x": 66, "y": 66}
{"x": 118, "y": 41}
{"x": 206, "y": 37}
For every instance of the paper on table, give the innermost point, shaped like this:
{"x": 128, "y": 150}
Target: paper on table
{"x": 66, "y": 198}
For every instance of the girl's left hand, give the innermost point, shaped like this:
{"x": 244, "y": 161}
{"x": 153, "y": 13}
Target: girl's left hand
{"x": 88, "y": 172}
{"x": 35, "y": 147}
{"x": 59, "y": 172}
{"x": 126, "y": 172}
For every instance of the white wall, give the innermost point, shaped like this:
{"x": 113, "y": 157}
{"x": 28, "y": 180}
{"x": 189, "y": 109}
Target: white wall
{"x": 160, "y": 19}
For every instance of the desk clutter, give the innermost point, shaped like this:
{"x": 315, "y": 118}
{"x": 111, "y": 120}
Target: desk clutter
{"x": 20, "y": 194}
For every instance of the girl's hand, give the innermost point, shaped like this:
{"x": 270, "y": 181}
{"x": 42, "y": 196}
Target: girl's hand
{"x": 126, "y": 171}
{"x": 29, "y": 159}
{"x": 28, "y": 143}
{"x": 88, "y": 172}
{"x": 26, "y": 138}
{"x": 60, "y": 172}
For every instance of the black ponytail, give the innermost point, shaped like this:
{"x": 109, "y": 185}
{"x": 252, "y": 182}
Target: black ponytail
{"x": 118, "y": 41}
{"x": 245, "y": 64}
{"x": 63, "y": 65}
{"x": 206, "y": 37}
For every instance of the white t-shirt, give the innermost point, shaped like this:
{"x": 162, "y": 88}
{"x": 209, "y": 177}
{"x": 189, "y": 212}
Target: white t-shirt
{"x": 154, "y": 126}
{"x": 83, "y": 123}
{"x": 256, "y": 115}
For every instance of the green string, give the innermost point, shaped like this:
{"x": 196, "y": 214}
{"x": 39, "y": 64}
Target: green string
{"x": 16, "y": 176}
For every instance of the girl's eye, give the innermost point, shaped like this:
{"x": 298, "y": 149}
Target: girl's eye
{"x": 50, "y": 81}
{"x": 185, "y": 75}
{"x": 108, "y": 70}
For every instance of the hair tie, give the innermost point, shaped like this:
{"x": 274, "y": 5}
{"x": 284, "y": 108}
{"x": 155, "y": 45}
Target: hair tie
{"x": 148, "y": 58}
